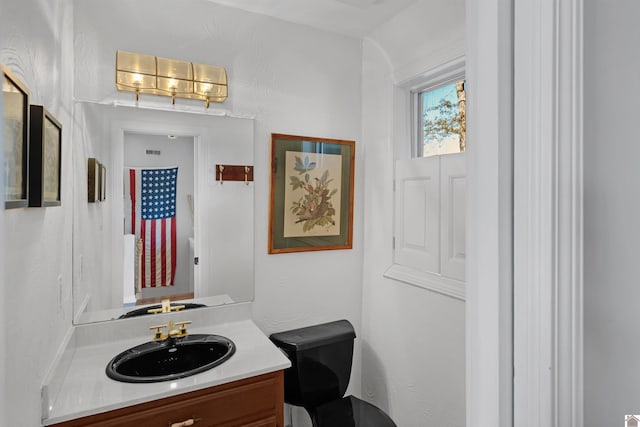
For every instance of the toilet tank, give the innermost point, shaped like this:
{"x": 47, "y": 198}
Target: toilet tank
{"x": 321, "y": 357}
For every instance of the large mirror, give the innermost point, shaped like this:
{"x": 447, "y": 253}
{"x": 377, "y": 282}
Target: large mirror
{"x": 153, "y": 217}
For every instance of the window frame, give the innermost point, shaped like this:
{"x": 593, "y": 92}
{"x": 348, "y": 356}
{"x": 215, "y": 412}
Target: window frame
{"x": 431, "y": 81}
{"x": 407, "y": 146}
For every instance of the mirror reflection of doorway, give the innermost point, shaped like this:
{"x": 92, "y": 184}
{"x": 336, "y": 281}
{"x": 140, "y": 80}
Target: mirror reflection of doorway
{"x": 158, "y": 218}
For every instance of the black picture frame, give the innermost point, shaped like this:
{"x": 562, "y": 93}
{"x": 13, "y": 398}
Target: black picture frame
{"x": 45, "y": 158}
{"x": 15, "y": 114}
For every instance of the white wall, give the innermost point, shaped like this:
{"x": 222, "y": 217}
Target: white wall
{"x": 413, "y": 341}
{"x": 293, "y": 79}
{"x": 425, "y": 35}
{"x": 36, "y": 43}
{"x": 612, "y": 206}
{"x": 91, "y": 221}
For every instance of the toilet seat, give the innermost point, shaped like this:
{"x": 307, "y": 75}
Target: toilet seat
{"x": 350, "y": 412}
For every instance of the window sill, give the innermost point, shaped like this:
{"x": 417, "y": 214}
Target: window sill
{"x": 429, "y": 281}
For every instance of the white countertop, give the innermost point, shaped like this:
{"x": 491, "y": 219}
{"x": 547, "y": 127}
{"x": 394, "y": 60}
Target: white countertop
{"x": 86, "y": 389}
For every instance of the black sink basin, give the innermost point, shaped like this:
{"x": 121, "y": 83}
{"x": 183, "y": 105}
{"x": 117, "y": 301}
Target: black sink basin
{"x": 145, "y": 310}
{"x": 170, "y": 359}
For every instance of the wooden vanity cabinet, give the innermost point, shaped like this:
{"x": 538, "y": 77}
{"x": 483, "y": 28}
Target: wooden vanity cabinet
{"x": 252, "y": 402}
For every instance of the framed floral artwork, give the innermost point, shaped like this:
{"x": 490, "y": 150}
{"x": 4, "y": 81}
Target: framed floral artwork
{"x": 311, "y": 205}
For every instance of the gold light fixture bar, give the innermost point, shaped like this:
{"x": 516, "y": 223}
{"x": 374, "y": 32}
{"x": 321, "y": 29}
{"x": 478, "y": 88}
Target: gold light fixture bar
{"x": 154, "y": 75}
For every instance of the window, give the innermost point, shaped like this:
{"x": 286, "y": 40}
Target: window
{"x": 442, "y": 119}
{"x": 430, "y": 183}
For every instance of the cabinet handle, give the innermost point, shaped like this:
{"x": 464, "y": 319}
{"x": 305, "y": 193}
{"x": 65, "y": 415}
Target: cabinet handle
{"x": 186, "y": 423}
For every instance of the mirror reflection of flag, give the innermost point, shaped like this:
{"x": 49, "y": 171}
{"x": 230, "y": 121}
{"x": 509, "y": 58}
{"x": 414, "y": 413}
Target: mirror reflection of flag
{"x": 152, "y": 192}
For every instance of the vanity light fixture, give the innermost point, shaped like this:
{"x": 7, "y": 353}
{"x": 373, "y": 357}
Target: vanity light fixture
{"x": 155, "y": 75}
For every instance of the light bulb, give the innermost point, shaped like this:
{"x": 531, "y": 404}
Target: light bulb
{"x": 206, "y": 88}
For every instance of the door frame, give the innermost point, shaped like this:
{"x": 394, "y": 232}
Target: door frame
{"x": 160, "y": 127}
{"x": 524, "y": 268}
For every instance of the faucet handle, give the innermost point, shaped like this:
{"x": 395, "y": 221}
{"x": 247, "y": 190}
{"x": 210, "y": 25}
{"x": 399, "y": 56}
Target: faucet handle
{"x": 176, "y": 307}
{"x": 183, "y": 327}
{"x": 158, "y": 335}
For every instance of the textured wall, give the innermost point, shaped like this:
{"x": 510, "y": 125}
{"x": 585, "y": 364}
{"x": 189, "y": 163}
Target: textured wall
{"x": 35, "y": 42}
{"x": 413, "y": 342}
{"x": 425, "y": 35}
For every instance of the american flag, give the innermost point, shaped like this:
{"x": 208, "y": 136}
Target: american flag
{"x": 153, "y": 219}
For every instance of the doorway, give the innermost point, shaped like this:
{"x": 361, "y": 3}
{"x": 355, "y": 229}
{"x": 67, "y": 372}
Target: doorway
{"x": 160, "y": 234}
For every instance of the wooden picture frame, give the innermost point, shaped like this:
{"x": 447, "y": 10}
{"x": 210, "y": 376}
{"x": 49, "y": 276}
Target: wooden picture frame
{"x": 45, "y": 158}
{"x": 311, "y": 206}
{"x": 15, "y": 114}
{"x": 93, "y": 180}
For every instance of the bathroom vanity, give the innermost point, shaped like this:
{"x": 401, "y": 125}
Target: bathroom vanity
{"x": 245, "y": 390}
{"x": 252, "y": 402}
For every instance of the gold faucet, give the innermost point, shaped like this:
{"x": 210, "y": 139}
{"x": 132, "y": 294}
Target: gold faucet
{"x": 166, "y": 308}
{"x": 179, "y": 331}
{"x": 158, "y": 335}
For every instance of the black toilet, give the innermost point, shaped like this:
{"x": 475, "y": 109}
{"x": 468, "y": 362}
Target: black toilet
{"x": 321, "y": 357}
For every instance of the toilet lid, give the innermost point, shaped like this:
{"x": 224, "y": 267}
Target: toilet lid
{"x": 350, "y": 412}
